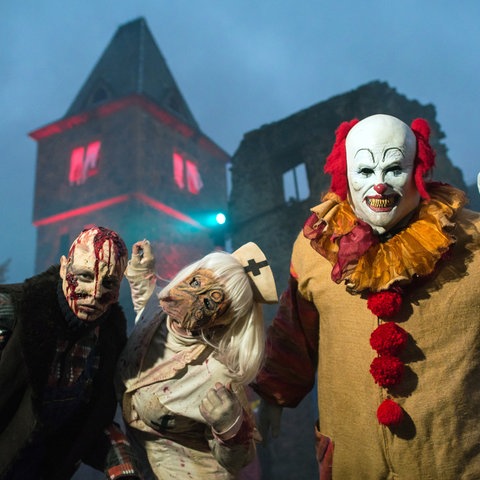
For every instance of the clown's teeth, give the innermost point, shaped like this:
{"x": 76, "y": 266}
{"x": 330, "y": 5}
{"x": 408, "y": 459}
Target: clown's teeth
{"x": 385, "y": 202}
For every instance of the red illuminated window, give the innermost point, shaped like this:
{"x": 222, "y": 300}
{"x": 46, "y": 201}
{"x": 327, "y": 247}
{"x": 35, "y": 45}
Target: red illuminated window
{"x": 84, "y": 163}
{"x": 185, "y": 174}
{"x": 178, "y": 170}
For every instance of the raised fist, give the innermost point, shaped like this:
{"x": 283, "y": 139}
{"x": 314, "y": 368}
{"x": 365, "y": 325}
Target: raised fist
{"x": 142, "y": 256}
{"x": 220, "y": 408}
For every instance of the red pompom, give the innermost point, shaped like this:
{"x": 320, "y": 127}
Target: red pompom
{"x": 389, "y": 413}
{"x": 387, "y": 370}
{"x": 384, "y": 304}
{"x": 388, "y": 339}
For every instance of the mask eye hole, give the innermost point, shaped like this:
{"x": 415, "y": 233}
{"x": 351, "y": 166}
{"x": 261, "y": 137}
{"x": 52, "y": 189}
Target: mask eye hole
{"x": 83, "y": 275}
{"x": 110, "y": 283}
{"x": 366, "y": 172}
{"x": 195, "y": 282}
{"x": 395, "y": 170}
{"x": 209, "y": 304}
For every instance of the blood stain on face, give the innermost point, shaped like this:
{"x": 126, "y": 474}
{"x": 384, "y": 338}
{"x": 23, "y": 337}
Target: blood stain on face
{"x": 93, "y": 272}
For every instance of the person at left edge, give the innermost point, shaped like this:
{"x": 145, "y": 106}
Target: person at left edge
{"x": 61, "y": 333}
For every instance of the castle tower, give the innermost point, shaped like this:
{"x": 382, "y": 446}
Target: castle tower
{"x": 129, "y": 155}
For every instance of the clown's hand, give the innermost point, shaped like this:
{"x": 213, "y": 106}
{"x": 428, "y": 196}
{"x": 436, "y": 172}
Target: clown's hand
{"x": 221, "y": 409}
{"x": 269, "y": 420}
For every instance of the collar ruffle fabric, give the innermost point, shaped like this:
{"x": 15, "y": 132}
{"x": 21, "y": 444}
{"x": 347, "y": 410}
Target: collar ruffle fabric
{"x": 380, "y": 267}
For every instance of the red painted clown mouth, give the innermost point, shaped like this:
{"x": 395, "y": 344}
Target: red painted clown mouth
{"x": 382, "y": 203}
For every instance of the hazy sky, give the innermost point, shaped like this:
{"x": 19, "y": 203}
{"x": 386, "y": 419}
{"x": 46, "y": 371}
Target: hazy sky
{"x": 239, "y": 64}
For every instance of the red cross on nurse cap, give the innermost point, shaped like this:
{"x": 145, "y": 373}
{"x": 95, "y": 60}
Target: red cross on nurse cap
{"x": 259, "y": 272}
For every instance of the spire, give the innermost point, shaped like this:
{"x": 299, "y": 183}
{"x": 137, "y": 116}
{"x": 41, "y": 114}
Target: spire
{"x": 132, "y": 64}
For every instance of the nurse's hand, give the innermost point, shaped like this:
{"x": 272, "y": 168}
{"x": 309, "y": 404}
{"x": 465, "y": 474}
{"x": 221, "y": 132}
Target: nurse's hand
{"x": 221, "y": 409}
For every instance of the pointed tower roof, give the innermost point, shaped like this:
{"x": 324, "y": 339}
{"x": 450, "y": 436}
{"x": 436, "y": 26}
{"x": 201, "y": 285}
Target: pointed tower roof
{"x": 132, "y": 64}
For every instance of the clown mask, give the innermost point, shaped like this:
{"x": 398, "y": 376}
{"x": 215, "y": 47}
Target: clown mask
{"x": 92, "y": 274}
{"x": 198, "y": 302}
{"x": 380, "y": 170}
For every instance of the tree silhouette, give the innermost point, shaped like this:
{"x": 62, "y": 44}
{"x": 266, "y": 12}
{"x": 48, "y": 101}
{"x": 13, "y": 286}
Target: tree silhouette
{"x": 4, "y": 270}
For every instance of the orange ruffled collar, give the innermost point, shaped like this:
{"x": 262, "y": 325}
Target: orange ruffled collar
{"x": 365, "y": 263}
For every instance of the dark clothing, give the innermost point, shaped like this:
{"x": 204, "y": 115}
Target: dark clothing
{"x": 49, "y": 417}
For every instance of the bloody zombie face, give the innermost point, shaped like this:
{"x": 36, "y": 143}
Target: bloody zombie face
{"x": 92, "y": 274}
{"x": 380, "y": 170}
{"x": 197, "y": 302}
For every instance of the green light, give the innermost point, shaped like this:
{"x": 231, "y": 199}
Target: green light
{"x": 220, "y": 218}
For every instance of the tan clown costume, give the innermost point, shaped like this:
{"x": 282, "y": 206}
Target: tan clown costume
{"x": 385, "y": 311}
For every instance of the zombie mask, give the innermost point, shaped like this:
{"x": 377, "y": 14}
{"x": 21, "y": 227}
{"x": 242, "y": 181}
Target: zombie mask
{"x": 198, "y": 302}
{"x": 380, "y": 170}
{"x": 93, "y": 271}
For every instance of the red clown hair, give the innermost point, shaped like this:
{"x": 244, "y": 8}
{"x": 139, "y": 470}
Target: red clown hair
{"x": 336, "y": 163}
{"x": 425, "y": 157}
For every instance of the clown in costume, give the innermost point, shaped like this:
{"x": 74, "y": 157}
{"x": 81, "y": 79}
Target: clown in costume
{"x": 383, "y": 305}
{"x": 196, "y": 344}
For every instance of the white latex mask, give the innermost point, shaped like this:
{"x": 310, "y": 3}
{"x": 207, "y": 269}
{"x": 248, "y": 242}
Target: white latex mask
{"x": 380, "y": 161}
{"x": 91, "y": 276}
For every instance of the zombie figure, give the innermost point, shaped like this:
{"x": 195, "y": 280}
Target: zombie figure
{"x": 61, "y": 334}
{"x": 196, "y": 344}
{"x": 383, "y": 307}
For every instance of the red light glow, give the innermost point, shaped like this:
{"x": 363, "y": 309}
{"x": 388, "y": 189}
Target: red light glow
{"x": 84, "y": 165}
{"x": 194, "y": 180}
{"x": 178, "y": 170}
{"x": 113, "y": 107}
{"x": 115, "y": 201}
{"x": 81, "y": 211}
{"x": 186, "y": 168}
{"x": 168, "y": 210}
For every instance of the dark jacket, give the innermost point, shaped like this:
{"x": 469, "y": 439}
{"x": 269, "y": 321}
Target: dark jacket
{"x": 24, "y": 368}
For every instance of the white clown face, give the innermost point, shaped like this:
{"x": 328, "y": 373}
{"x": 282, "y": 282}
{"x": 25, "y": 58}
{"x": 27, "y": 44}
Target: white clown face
{"x": 91, "y": 276}
{"x": 380, "y": 166}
